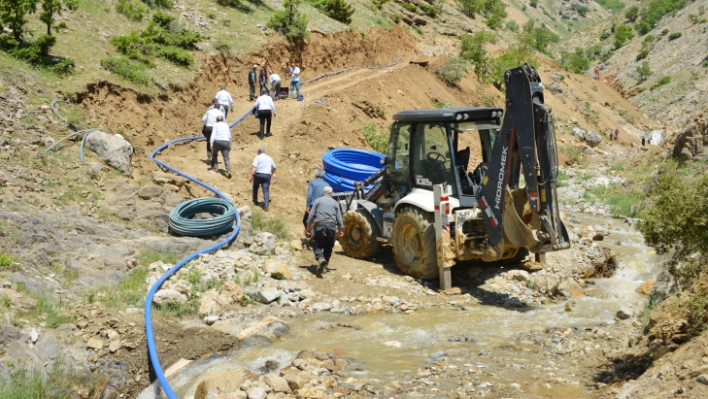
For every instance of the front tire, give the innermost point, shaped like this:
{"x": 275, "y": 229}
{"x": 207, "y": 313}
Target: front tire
{"x": 360, "y": 234}
{"x": 414, "y": 243}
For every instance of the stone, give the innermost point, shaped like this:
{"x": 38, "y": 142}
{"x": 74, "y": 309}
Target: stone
{"x": 256, "y": 393}
{"x": 518, "y": 275}
{"x": 579, "y": 133}
{"x": 95, "y": 343}
{"x": 320, "y": 307}
{"x": 646, "y": 287}
{"x": 311, "y": 393}
{"x": 115, "y": 346}
{"x": 34, "y": 335}
{"x": 703, "y": 379}
{"x": 17, "y": 300}
{"x": 593, "y": 139}
{"x": 4, "y": 373}
{"x": 165, "y": 296}
{"x": 209, "y": 320}
{"x": 113, "y": 150}
{"x": 167, "y": 178}
{"x": 624, "y": 313}
{"x": 211, "y": 303}
{"x": 570, "y": 289}
{"x": 46, "y": 347}
{"x": 231, "y": 292}
{"x": 555, "y": 88}
{"x": 296, "y": 380}
{"x": 272, "y": 266}
{"x": 269, "y": 294}
{"x": 263, "y": 244}
{"x": 223, "y": 382}
{"x": 557, "y": 77}
{"x": 47, "y": 141}
{"x": 587, "y": 150}
{"x": 150, "y": 192}
{"x": 276, "y": 383}
{"x": 153, "y": 212}
{"x": 19, "y": 352}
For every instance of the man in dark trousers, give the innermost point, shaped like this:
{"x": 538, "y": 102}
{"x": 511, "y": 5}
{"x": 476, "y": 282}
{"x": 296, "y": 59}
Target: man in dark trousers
{"x": 252, "y": 83}
{"x": 266, "y": 112}
{"x": 326, "y": 219}
{"x": 264, "y": 79}
{"x": 209, "y": 120}
{"x": 644, "y": 141}
{"x": 262, "y": 170}
{"x": 314, "y": 191}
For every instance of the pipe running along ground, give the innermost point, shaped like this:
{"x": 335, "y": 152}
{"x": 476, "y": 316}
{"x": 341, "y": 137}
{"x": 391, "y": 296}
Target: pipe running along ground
{"x": 154, "y": 359}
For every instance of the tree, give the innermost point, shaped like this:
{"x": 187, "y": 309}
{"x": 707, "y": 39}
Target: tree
{"x": 51, "y": 8}
{"x": 14, "y": 14}
{"x": 576, "y": 62}
{"x": 623, "y": 33}
{"x": 644, "y": 71}
{"x": 473, "y": 50}
{"x": 290, "y": 22}
{"x": 632, "y": 13}
{"x": 339, "y": 10}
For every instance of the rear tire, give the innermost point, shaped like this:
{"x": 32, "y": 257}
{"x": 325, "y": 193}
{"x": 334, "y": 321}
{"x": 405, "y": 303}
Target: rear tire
{"x": 414, "y": 243}
{"x": 360, "y": 233}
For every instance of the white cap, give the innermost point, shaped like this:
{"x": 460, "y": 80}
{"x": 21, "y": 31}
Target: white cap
{"x": 255, "y": 66}
{"x": 327, "y": 190}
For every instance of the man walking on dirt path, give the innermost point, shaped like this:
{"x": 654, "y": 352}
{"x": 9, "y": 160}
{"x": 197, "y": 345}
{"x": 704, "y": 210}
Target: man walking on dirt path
{"x": 209, "y": 120}
{"x": 294, "y": 73}
{"x": 326, "y": 218}
{"x": 225, "y": 100}
{"x": 264, "y": 79}
{"x": 611, "y": 133}
{"x": 617, "y": 132}
{"x": 266, "y": 111}
{"x": 314, "y": 192}
{"x": 644, "y": 140}
{"x": 275, "y": 84}
{"x": 252, "y": 83}
{"x": 221, "y": 141}
{"x": 262, "y": 171}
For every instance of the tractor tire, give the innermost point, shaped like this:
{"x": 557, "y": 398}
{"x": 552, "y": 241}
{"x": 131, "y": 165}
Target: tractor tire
{"x": 414, "y": 243}
{"x": 360, "y": 234}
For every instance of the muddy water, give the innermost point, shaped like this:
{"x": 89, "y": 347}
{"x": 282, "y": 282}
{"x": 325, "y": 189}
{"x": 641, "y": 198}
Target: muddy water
{"x": 392, "y": 347}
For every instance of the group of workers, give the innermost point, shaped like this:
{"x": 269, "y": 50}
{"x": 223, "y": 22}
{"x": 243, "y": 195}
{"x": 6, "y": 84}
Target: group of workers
{"x": 323, "y": 216}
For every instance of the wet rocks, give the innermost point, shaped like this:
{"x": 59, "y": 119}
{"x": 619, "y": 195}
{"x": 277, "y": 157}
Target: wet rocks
{"x": 646, "y": 287}
{"x": 624, "y": 313}
{"x": 222, "y": 382}
{"x": 569, "y": 288}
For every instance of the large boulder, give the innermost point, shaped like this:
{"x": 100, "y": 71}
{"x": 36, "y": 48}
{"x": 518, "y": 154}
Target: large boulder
{"x": 222, "y": 382}
{"x": 113, "y": 150}
{"x": 169, "y": 296}
{"x": 263, "y": 244}
{"x": 579, "y": 133}
{"x": 692, "y": 140}
{"x": 211, "y": 303}
{"x": 592, "y": 138}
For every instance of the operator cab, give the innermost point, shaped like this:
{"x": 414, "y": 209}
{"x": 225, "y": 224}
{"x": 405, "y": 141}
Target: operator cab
{"x": 426, "y": 150}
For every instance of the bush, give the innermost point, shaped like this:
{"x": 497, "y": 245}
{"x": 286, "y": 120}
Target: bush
{"x": 396, "y": 18}
{"x": 538, "y": 37}
{"x": 533, "y": 3}
{"x": 453, "y": 70}
{"x": 649, "y": 39}
{"x": 632, "y": 13}
{"x": 604, "y": 35}
{"x": 229, "y": 3}
{"x": 664, "y": 32}
{"x": 175, "y": 55}
{"x": 131, "y": 9}
{"x": 623, "y": 33}
{"x": 409, "y": 6}
{"x": 126, "y": 69}
{"x": 473, "y": 50}
{"x": 339, "y": 10}
{"x": 377, "y": 140}
{"x": 159, "y": 3}
{"x": 512, "y": 25}
{"x": 644, "y": 71}
{"x": 663, "y": 81}
{"x": 674, "y": 36}
{"x": 494, "y": 11}
{"x": 261, "y": 221}
{"x": 658, "y": 8}
{"x": 643, "y": 53}
{"x": 429, "y": 10}
{"x": 379, "y": 3}
{"x": 289, "y": 22}
{"x": 36, "y": 53}
{"x": 612, "y": 5}
{"x": 582, "y": 10}
{"x": 594, "y": 52}
{"x": 575, "y": 62}
{"x": 441, "y": 103}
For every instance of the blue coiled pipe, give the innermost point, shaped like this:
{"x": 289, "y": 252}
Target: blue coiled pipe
{"x": 181, "y": 221}
{"x": 154, "y": 359}
{"x": 352, "y": 164}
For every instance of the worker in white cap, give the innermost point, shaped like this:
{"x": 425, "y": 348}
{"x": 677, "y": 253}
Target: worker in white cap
{"x": 252, "y": 83}
{"x": 326, "y": 219}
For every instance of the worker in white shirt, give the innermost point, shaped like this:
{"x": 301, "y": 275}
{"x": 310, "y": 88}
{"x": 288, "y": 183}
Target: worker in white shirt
{"x": 266, "y": 110}
{"x": 262, "y": 171}
{"x": 275, "y": 83}
{"x": 294, "y": 73}
{"x": 209, "y": 120}
{"x": 220, "y": 141}
{"x": 225, "y": 99}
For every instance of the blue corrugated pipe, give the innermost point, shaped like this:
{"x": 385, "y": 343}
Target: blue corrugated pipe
{"x": 154, "y": 360}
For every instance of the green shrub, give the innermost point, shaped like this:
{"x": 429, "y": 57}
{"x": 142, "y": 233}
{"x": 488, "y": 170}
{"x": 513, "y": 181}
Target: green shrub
{"x": 453, "y": 70}
{"x": 623, "y": 33}
{"x": 6, "y": 261}
{"x": 339, "y": 10}
{"x": 377, "y": 139}
{"x": 582, "y": 10}
{"x": 632, "y": 13}
{"x": 512, "y": 25}
{"x": 661, "y": 82}
{"x": 494, "y": 11}
{"x": 409, "y": 6}
{"x": 175, "y": 55}
{"x": 229, "y": 3}
{"x": 441, "y": 103}
{"x": 379, "y": 3}
{"x": 594, "y": 52}
{"x": 674, "y": 36}
{"x": 159, "y": 3}
{"x": 612, "y": 5}
{"x": 36, "y": 53}
{"x": 126, "y": 69}
{"x": 604, "y": 35}
{"x": 396, "y": 18}
{"x": 643, "y": 53}
{"x": 576, "y": 62}
{"x": 538, "y": 37}
{"x": 642, "y": 27}
{"x": 657, "y": 9}
{"x": 649, "y": 39}
{"x": 289, "y": 22}
{"x": 131, "y": 9}
{"x": 664, "y": 32}
{"x": 533, "y": 3}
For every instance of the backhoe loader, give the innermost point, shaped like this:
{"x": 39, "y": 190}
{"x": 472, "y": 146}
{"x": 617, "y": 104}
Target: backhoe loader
{"x": 435, "y": 210}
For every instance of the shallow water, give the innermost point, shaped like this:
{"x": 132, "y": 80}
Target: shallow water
{"x": 394, "y": 346}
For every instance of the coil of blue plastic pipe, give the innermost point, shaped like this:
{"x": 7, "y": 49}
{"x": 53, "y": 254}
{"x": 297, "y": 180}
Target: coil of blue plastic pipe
{"x": 352, "y": 164}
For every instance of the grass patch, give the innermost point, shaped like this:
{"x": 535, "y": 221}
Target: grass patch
{"x": 48, "y": 311}
{"x": 441, "y": 103}
{"x": 126, "y": 69}
{"x": 571, "y": 152}
{"x": 6, "y": 262}
{"x": 623, "y": 201}
{"x": 129, "y": 293}
{"x": 261, "y": 221}
{"x": 167, "y": 256}
{"x": 170, "y": 311}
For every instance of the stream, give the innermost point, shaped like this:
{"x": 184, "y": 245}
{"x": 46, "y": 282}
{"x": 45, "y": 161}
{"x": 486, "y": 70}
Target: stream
{"x": 389, "y": 347}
